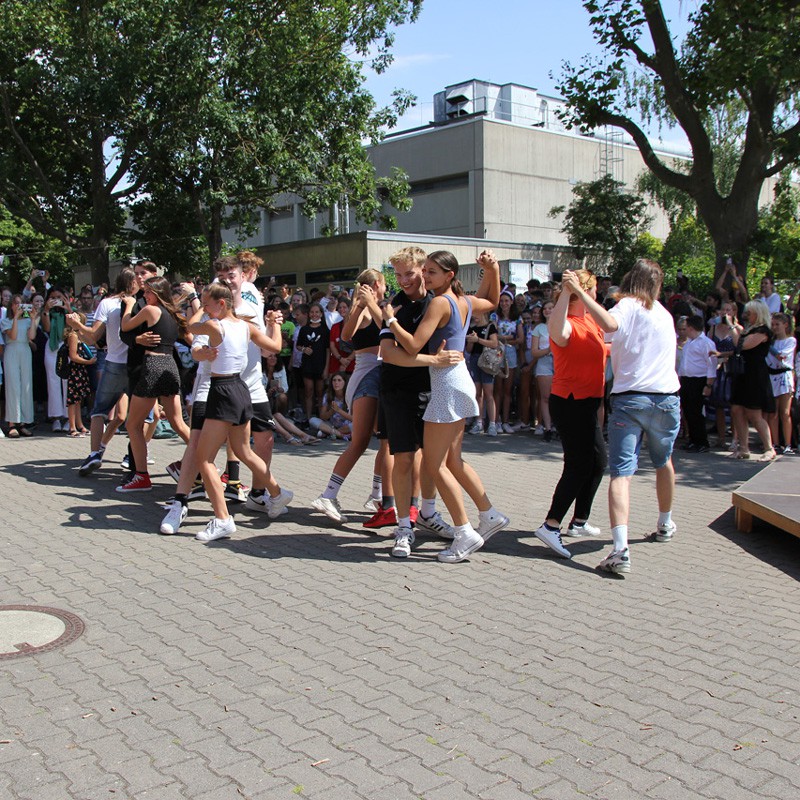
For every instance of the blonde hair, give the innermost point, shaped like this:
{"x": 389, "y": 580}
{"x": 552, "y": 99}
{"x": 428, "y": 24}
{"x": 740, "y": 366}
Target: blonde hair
{"x": 761, "y": 311}
{"x": 369, "y": 276}
{"x": 587, "y": 281}
{"x": 415, "y": 256}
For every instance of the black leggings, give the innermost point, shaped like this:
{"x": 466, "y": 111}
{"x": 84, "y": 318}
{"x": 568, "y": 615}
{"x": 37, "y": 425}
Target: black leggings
{"x": 585, "y": 456}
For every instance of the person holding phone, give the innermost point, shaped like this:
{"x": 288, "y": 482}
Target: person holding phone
{"x": 17, "y": 331}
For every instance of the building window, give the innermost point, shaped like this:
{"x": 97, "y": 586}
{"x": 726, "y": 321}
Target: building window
{"x": 439, "y": 184}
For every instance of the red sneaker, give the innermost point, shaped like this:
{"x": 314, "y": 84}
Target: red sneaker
{"x": 382, "y": 518}
{"x": 413, "y": 512}
{"x": 138, "y": 483}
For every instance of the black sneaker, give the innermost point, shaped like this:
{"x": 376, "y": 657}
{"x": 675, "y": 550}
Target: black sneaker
{"x": 90, "y": 464}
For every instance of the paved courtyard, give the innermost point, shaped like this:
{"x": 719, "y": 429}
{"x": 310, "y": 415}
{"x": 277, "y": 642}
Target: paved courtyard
{"x": 299, "y": 659}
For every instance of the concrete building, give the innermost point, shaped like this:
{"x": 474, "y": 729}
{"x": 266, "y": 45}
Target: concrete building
{"x": 484, "y": 173}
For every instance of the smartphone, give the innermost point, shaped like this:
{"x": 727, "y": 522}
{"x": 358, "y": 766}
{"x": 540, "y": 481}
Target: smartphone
{"x": 679, "y": 273}
{"x": 26, "y": 310}
{"x": 58, "y": 304}
{"x": 336, "y": 288}
{"x": 41, "y": 273}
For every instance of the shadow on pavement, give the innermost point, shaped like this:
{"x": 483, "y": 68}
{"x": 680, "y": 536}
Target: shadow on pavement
{"x": 766, "y": 543}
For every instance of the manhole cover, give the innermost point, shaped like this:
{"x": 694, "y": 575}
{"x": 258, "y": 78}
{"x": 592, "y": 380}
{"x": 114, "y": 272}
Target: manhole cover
{"x": 25, "y": 630}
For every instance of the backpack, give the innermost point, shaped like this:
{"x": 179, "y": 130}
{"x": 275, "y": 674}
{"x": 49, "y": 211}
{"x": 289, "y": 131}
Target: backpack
{"x": 63, "y": 364}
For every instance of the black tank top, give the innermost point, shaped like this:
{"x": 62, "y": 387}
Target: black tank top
{"x": 167, "y": 328}
{"x": 366, "y": 337}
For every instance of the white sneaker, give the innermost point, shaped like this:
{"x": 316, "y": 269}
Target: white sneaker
{"x": 491, "y": 430}
{"x": 665, "y": 532}
{"x": 372, "y": 504}
{"x": 329, "y": 507}
{"x": 618, "y": 562}
{"x": 538, "y": 430}
{"x": 403, "y": 542}
{"x": 577, "y": 530}
{"x": 277, "y": 505}
{"x": 150, "y": 459}
{"x": 56, "y": 426}
{"x": 175, "y": 516}
{"x": 476, "y": 428}
{"x": 553, "y": 540}
{"x": 464, "y": 544}
{"x": 260, "y": 503}
{"x": 489, "y": 527}
{"x": 507, "y": 428}
{"x": 217, "y": 529}
{"x": 435, "y": 524}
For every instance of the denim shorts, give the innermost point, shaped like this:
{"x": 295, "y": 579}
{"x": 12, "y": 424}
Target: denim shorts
{"x": 113, "y": 384}
{"x": 369, "y": 385}
{"x": 511, "y": 356}
{"x": 476, "y": 373}
{"x": 632, "y": 416}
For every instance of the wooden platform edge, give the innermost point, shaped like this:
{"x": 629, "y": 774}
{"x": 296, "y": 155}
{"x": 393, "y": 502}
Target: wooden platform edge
{"x": 745, "y": 509}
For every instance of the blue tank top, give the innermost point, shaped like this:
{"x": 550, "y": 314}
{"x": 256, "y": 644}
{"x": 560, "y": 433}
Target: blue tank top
{"x": 453, "y": 331}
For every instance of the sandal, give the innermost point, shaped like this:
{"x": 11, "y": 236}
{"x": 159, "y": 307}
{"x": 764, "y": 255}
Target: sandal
{"x": 768, "y": 455}
{"x": 13, "y": 433}
{"x": 294, "y": 441}
{"x": 75, "y": 435}
{"x": 741, "y": 455}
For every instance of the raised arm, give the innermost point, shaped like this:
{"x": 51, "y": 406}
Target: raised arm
{"x": 601, "y": 316}
{"x": 559, "y": 328}
{"x": 488, "y": 295}
{"x": 413, "y": 343}
{"x": 128, "y": 322}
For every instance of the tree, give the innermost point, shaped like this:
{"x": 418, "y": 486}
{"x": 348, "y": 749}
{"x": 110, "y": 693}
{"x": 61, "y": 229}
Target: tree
{"x": 99, "y": 99}
{"x": 603, "y": 218}
{"x": 23, "y": 249}
{"x": 280, "y": 111}
{"x": 736, "y": 51}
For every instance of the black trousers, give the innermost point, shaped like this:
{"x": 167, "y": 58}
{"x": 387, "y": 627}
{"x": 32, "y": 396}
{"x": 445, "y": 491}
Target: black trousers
{"x": 692, "y": 402}
{"x": 585, "y": 457}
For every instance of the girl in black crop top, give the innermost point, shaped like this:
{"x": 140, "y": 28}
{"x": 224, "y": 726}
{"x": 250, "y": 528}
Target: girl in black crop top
{"x": 159, "y": 379}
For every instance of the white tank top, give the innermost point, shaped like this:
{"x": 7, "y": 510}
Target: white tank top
{"x": 232, "y": 351}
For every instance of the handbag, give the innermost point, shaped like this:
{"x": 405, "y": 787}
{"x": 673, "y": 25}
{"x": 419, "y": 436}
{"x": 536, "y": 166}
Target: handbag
{"x": 493, "y": 362}
{"x": 735, "y": 364}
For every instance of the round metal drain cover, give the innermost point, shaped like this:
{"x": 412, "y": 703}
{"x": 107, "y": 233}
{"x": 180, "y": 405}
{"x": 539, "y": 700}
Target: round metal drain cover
{"x": 26, "y": 630}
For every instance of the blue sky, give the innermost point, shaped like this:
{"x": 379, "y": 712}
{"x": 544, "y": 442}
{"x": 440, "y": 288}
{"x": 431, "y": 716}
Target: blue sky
{"x": 502, "y": 41}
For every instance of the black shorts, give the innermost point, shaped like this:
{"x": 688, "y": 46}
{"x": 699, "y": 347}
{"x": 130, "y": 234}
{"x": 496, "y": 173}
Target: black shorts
{"x": 229, "y": 401}
{"x": 262, "y": 418}
{"x": 400, "y": 419}
{"x": 159, "y": 377}
{"x": 198, "y": 415}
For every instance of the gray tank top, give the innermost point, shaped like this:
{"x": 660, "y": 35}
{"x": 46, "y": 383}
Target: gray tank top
{"x": 453, "y": 331}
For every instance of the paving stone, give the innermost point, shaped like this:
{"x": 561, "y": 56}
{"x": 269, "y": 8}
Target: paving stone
{"x": 301, "y": 654}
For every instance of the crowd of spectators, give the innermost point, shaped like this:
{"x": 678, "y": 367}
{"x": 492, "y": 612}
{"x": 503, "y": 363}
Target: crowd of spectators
{"x": 306, "y": 382}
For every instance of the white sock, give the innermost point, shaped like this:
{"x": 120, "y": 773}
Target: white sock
{"x": 428, "y": 508}
{"x": 620, "y": 535}
{"x": 334, "y": 484}
{"x": 404, "y": 522}
{"x": 664, "y": 518}
{"x": 377, "y": 487}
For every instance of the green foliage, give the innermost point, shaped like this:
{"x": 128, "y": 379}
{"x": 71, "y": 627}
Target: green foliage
{"x": 25, "y": 250}
{"x": 778, "y": 238}
{"x": 648, "y": 246}
{"x": 215, "y": 107}
{"x": 602, "y": 218}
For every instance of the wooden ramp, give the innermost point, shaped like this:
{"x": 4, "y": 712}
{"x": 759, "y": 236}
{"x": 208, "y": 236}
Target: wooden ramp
{"x": 773, "y": 495}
